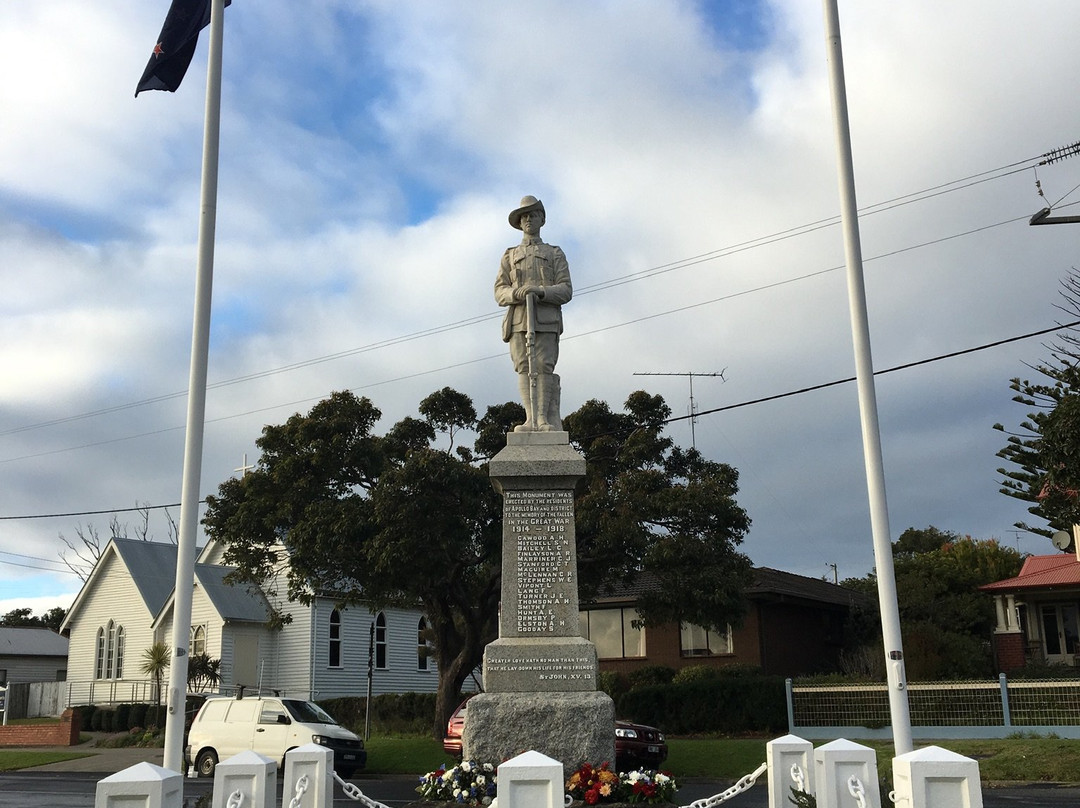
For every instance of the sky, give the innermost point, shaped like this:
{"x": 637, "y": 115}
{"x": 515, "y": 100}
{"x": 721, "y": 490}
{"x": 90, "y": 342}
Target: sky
{"x": 685, "y": 154}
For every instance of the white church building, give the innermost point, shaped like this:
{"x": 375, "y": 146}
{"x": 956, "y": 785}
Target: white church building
{"x": 126, "y": 605}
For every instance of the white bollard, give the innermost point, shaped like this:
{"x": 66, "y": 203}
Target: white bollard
{"x": 250, "y": 774}
{"x": 835, "y": 764}
{"x": 309, "y": 775}
{"x": 531, "y": 780}
{"x": 930, "y": 777}
{"x": 781, "y": 754}
{"x": 144, "y": 785}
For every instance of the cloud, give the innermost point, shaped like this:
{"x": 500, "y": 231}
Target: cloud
{"x": 370, "y": 153}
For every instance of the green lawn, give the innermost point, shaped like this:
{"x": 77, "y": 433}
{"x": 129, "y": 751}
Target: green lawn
{"x": 1019, "y": 759}
{"x": 11, "y": 759}
{"x": 1014, "y": 759}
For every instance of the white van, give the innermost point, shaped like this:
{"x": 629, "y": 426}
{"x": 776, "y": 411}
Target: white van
{"x": 270, "y": 726}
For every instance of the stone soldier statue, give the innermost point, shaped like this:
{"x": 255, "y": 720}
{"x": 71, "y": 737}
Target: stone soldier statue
{"x": 540, "y": 270}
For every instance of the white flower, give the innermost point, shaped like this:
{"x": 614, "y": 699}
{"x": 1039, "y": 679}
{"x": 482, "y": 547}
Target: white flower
{"x": 488, "y": 767}
{"x": 457, "y": 792}
{"x": 662, "y": 778}
{"x": 466, "y": 766}
{"x": 480, "y": 779}
{"x": 633, "y": 776}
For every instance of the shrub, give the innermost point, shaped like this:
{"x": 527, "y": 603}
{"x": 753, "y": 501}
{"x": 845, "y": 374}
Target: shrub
{"x": 650, "y": 675}
{"x": 730, "y": 704}
{"x": 391, "y": 713}
{"x": 120, "y": 720}
{"x": 137, "y": 716}
{"x": 613, "y": 683}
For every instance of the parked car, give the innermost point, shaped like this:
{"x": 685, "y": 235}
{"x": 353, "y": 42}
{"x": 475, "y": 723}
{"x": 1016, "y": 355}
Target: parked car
{"x": 270, "y": 726}
{"x": 636, "y": 746}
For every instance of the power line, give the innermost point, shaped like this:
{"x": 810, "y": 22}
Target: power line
{"x": 723, "y": 252}
{"x": 788, "y": 394}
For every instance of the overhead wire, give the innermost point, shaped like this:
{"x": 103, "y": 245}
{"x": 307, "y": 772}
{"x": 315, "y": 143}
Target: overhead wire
{"x": 723, "y": 252}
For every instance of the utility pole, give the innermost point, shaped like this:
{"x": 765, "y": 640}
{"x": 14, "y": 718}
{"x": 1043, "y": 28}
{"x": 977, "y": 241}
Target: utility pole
{"x": 1051, "y": 157}
{"x": 693, "y": 411}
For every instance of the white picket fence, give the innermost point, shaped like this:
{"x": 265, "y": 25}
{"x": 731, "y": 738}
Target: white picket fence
{"x": 841, "y": 774}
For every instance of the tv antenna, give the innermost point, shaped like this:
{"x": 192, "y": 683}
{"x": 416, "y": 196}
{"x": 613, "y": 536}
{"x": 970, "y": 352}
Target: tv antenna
{"x": 693, "y": 411}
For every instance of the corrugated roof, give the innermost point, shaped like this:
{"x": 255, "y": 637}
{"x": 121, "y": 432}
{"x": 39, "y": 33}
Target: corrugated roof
{"x": 233, "y": 603}
{"x": 1041, "y": 572}
{"x": 31, "y": 641}
{"x": 153, "y": 569}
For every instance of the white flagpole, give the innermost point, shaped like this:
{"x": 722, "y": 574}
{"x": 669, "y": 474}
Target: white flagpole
{"x": 196, "y": 413}
{"x": 864, "y": 373}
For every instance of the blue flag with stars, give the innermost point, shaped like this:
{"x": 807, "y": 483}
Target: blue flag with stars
{"x": 175, "y": 45}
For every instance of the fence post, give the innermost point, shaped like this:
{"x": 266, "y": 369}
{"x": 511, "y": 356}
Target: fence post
{"x": 835, "y": 764}
{"x": 1003, "y": 683}
{"x": 253, "y": 775}
{"x": 781, "y": 754}
{"x": 931, "y": 777}
{"x": 143, "y": 784}
{"x": 309, "y": 776}
{"x": 790, "y": 705}
{"x": 530, "y": 780}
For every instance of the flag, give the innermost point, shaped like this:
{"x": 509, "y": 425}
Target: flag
{"x": 176, "y": 45}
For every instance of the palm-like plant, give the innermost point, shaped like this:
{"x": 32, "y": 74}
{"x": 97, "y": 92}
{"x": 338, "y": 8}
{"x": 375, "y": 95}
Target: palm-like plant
{"x": 155, "y": 660}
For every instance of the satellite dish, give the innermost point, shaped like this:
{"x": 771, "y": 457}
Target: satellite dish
{"x": 1061, "y": 540}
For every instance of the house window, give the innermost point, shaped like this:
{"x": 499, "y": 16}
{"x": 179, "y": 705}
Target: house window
{"x": 110, "y": 639}
{"x": 613, "y": 633}
{"x": 695, "y": 641}
{"x": 380, "y": 641}
{"x": 109, "y": 652}
{"x": 334, "y": 649}
{"x": 118, "y": 660}
{"x": 99, "y": 664}
{"x": 198, "y": 640}
{"x": 422, "y": 649}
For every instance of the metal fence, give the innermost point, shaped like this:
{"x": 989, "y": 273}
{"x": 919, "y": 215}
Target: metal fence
{"x": 986, "y": 709}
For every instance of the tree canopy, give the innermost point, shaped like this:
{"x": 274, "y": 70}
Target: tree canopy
{"x": 1045, "y": 453}
{"x": 945, "y": 620}
{"x": 393, "y": 520}
{"x": 52, "y": 619}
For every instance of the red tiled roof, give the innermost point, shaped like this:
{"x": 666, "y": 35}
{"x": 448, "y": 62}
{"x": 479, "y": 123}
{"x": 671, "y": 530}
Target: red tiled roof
{"x": 1042, "y": 572}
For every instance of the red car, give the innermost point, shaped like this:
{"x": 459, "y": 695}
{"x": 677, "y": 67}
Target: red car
{"x": 636, "y": 745}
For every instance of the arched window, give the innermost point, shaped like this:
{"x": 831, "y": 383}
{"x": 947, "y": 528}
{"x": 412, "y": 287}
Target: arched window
{"x": 198, "y": 640}
{"x": 110, "y": 648}
{"x": 99, "y": 662}
{"x": 380, "y": 641}
{"x": 334, "y": 651}
{"x": 422, "y": 650}
{"x": 118, "y": 662}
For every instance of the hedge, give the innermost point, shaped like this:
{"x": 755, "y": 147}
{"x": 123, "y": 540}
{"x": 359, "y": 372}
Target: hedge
{"x": 724, "y": 704}
{"x": 391, "y": 713}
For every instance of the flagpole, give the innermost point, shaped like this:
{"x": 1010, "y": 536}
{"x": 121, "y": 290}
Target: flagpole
{"x": 196, "y": 413}
{"x": 899, "y": 711}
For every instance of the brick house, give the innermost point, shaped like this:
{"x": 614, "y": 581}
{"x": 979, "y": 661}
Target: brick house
{"x": 1038, "y": 613}
{"x": 794, "y": 626}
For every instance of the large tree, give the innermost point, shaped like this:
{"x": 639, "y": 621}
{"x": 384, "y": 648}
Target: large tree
{"x": 1045, "y": 453}
{"x": 396, "y": 520}
{"x": 945, "y": 620}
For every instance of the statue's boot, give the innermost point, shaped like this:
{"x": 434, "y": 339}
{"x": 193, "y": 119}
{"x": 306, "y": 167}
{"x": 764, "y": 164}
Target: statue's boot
{"x": 547, "y": 397}
{"x": 526, "y": 399}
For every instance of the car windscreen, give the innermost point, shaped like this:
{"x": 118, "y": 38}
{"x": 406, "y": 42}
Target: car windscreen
{"x": 307, "y": 711}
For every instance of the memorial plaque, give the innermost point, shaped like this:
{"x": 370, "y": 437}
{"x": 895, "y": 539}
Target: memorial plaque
{"x": 539, "y": 595}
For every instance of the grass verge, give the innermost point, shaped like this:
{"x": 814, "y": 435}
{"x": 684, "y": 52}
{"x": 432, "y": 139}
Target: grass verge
{"x": 12, "y": 759}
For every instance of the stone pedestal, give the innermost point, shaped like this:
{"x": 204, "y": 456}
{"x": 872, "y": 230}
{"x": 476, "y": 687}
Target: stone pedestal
{"x": 540, "y": 675}
{"x": 572, "y": 728}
